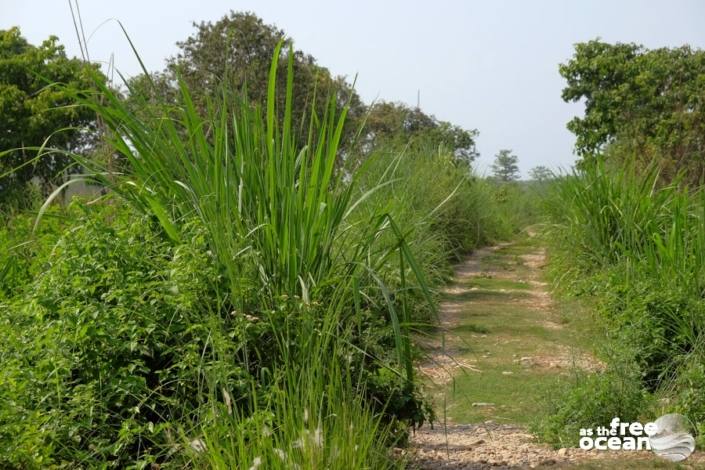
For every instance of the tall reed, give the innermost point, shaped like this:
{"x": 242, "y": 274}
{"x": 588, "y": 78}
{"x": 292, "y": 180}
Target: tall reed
{"x": 639, "y": 244}
{"x": 279, "y": 217}
{"x": 273, "y": 207}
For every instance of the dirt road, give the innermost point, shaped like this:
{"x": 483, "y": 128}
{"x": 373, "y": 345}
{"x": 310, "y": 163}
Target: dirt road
{"x": 502, "y": 346}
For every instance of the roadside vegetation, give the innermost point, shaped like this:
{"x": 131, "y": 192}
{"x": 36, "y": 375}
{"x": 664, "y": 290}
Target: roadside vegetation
{"x": 241, "y": 292}
{"x": 627, "y": 231}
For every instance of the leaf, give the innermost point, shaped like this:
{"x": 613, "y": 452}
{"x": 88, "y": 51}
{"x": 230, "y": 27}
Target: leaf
{"x": 160, "y": 212}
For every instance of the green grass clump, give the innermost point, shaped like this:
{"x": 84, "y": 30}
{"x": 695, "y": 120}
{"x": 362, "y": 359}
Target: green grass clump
{"x": 636, "y": 246}
{"x": 590, "y": 400}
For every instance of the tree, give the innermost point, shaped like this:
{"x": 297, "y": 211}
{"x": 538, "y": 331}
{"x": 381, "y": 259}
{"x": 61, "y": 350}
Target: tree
{"x": 397, "y": 123}
{"x": 505, "y": 166}
{"x": 541, "y": 173}
{"x": 640, "y": 104}
{"x": 32, "y": 109}
{"x": 235, "y": 54}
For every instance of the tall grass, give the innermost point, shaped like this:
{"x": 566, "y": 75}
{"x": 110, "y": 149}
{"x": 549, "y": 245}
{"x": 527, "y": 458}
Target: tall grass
{"x": 273, "y": 207}
{"x": 284, "y": 224}
{"x": 444, "y": 210}
{"x": 637, "y": 244}
{"x": 264, "y": 197}
{"x": 313, "y": 415}
{"x": 607, "y": 216}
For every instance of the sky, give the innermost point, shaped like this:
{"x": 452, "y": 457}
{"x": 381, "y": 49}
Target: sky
{"x": 485, "y": 65}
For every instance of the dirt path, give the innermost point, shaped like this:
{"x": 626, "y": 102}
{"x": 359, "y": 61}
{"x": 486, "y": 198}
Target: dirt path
{"x": 503, "y": 345}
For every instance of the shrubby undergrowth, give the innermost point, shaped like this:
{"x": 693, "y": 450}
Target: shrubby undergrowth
{"x": 107, "y": 342}
{"x": 636, "y": 246}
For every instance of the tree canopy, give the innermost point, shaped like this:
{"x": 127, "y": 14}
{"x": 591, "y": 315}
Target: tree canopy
{"x": 399, "y": 123}
{"x": 505, "y": 166}
{"x": 236, "y": 51}
{"x": 639, "y": 104}
{"x": 541, "y": 173}
{"x": 33, "y": 109}
{"x": 234, "y": 54}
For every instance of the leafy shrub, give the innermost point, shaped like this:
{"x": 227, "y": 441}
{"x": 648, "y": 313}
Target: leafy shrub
{"x": 23, "y": 250}
{"x": 592, "y": 400}
{"x": 687, "y": 394}
{"x": 107, "y": 346}
{"x": 660, "y": 320}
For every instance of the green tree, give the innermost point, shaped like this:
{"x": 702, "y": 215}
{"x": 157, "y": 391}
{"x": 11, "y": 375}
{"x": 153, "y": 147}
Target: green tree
{"x": 32, "y": 109}
{"x": 235, "y": 54}
{"x": 505, "y": 166}
{"x": 397, "y": 123}
{"x": 541, "y": 173}
{"x": 640, "y": 104}
{"x": 236, "y": 51}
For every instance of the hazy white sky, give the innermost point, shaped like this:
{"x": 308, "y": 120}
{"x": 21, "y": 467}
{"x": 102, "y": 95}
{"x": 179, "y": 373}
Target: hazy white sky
{"x": 490, "y": 65}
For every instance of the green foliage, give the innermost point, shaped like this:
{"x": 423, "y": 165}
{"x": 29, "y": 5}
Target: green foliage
{"x": 238, "y": 293}
{"x": 505, "y": 167}
{"x": 235, "y": 52}
{"x": 33, "y": 108}
{"x": 131, "y": 360}
{"x": 308, "y": 419}
{"x": 16, "y": 198}
{"x": 23, "y": 250}
{"x": 612, "y": 214}
{"x": 687, "y": 389}
{"x": 106, "y": 347}
{"x": 281, "y": 248}
{"x": 648, "y": 103}
{"x": 637, "y": 246}
{"x": 590, "y": 401}
{"x": 519, "y": 204}
{"x": 541, "y": 174}
{"x": 441, "y": 221}
{"x": 411, "y": 129}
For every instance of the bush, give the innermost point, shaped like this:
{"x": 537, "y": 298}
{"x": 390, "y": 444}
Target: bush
{"x": 592, "y": 400}
{"x": 108, "y": 345}
{"x": 686, "y": 390}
